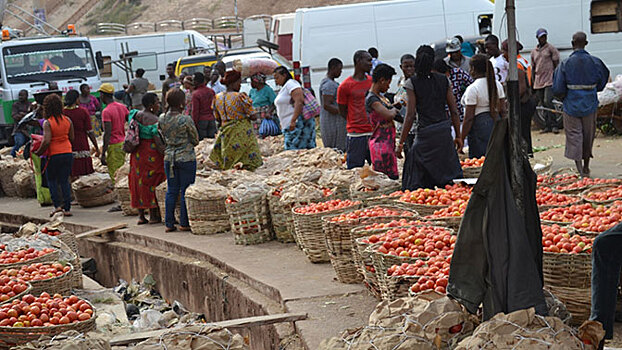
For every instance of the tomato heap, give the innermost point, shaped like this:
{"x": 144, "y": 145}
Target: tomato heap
{"x": 321, "y": 207}
{"x": 433, "y": 274}
{"x": 394, "y": 223}
{"x": 569, "y": 214}
{"x": 10, "y": 287}
{"x": 23, "y": 255}
{"x": 606, "y": 195}
{"x": 472, "y": 162}
{"x": 556, "y": 239}
{"x": 278, "y": 191}
{"x": 585, "y": 182}
{"x": 370, "y": 213}
{"x": 546, "y": 196}
{"x": 44, "y": 311}
{"x": 556, "y": 179}
{"x": 599, "y": 219}
{"x": 416, "y": 242}
{"x": 36, "y": 272}
{"x": 442, "y": 196}
{"x": 230, "y": 200}
{"x": 455, "y": 209}
{"x": 50, "y": 231}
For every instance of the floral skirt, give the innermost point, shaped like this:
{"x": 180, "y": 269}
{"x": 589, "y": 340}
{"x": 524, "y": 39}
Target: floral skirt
{"x": 382, "y": 151}
{"x": 236, "y": 143}
{"x": 146, "y": 173}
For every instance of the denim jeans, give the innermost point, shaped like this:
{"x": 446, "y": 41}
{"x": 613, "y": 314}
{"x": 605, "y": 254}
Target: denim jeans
{"x": 179, "y": 176}
{"x": 57, "y": 173}
{"x": 606, "y": 264}
{"x": 20, "y": 140}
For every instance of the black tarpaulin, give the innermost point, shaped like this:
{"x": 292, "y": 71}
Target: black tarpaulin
{"x": 497, "y": 259}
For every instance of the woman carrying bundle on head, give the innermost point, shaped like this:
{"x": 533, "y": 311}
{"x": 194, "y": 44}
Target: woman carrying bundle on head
{"x": 485, "y": 103}
{"x": 432, "y": 160}
{"x": 236, "y": 142}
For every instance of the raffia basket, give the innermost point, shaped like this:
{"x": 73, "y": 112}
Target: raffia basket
{"x": 20, "y": 295}
{"x": 340, "y": 244}
{"x": 397, "y": 286}
{"x": 563, "y": 171}
{"x": 311, "y": 235}
{"x": 94, "y": 190}
{"x": 567, "y": 270}
{"x": 160, "y": 193}
{"x": 12, "y": 336}
{"x": 362, "y": 252}
{"x": 61, "y": 284}
{"x": 578, "y": 301}
{"x": 471, "y": 172}
{"x": 423, "y": 209}
{"x": 250, "y": 220}
{"x": 282, "y": 221}
{"x": 207, "y": 212}
{"x": 585, "y": 194}
{"x": 363, "y": 196}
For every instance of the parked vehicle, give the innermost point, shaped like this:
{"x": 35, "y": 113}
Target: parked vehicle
{"x": 33, "y": 64}
{"x": 393, "y": 27}
{"x": 440, "y": 45}
{"x": 151, "y": 52}
{"x": 282, "y": 32}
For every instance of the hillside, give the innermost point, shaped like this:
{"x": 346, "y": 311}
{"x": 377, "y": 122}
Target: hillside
{"x": 86, "y": 13}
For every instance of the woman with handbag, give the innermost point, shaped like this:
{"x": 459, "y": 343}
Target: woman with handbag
{"x": 147, "y": 161}
{"x": 83, "y": 131}
{"x": 235, "y": 142}
{"x": 263, "y": 102}
{"x": 298, "y": 128}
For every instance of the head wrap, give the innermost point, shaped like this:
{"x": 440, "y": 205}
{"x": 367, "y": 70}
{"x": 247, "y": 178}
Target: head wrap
{"x": 258, "y": 78}
{"x": 230, "y": 77}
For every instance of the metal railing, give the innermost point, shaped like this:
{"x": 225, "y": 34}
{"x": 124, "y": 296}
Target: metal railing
{"x": 169, "y": 25}
{"x": 110, "y": 28}
{"x": 204, "y": 25}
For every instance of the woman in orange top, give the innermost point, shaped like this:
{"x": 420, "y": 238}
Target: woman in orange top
{"x": 57, "y": 138}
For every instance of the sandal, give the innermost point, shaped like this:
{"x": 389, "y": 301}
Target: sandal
{"x": 170, "y": 229}
{"x": 155, "y": 221}
{"x": 142, "y": 222}
{"x": 185, "y": 228}
{"x": 57, "y": 210}
{"x": 67, "y": 213}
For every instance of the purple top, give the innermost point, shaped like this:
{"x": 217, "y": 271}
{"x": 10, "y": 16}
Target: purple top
{"x": 92, "y": 106}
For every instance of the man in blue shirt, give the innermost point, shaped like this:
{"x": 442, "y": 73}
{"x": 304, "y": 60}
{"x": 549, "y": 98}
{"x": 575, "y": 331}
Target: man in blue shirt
{"x": 577, "y": 80}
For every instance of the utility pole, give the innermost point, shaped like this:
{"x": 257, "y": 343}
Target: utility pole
{"x": 235, "y": 11}
{"x": 516, "y": 151}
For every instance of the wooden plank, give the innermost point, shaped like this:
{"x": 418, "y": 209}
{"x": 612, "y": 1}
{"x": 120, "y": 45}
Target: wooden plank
{"x": 99, "y": 231}
{"x": 231, "y": 324}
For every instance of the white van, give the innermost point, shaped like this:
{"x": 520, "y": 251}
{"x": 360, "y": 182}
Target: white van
{"x": 599, "y": 19}
{"x": 282, "y": 32}
{"x": 393, "y": 27}
{"x": 155, "y": 51}
{"x": 32, "y": 64}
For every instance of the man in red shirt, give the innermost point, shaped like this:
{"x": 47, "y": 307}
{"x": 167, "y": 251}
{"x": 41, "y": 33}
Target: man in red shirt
{"x": 202, "y": 113}
{"x": 351, "y": 99}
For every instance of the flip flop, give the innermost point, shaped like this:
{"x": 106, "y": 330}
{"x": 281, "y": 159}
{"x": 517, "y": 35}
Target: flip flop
{"x": 67, "y": 213}
{"x": 185, "y": 228}
{"x": 142, "y": 222}
{"x": 59, "y": 210}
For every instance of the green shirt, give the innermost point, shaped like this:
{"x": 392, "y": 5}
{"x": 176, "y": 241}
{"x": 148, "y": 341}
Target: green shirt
{"x": 263, "y": 97}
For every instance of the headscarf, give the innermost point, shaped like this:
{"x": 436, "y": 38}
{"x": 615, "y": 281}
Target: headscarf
{"x": 258, "y": 78}
{"x": 230, "y": 77}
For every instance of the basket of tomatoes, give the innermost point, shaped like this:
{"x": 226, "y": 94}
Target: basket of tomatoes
{"x": 12, "y": 288}
{"x": 52, "y": 278}
{"x": 567, "y": 257}
{"x": 308, "y": 226}
{"x": 604, "y": 194}
{"x": 561, "y": 176}
{"x": 426, "y": 201}
{"x": 547, "y": 199}
{"x": 338, "y": 238}
{"x": 17, "y": 258}
{"x": 597, "y": 219}
{"x": 249, "y": 219}
{"x": 358, "y": 192}
{"x": 450, "y": 216}
{"x": 28, "y": 318}
{"x": 383, "y": 199}
{"x": 404, "y": 279}
{"x": 583, "y": 184}
{"x": 472, "y": 167}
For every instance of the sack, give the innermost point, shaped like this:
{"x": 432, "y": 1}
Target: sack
{"x": 132, "y": 137}
{"x": 269, "y": 127}
{"x": 37, "y": 140}
{"x": 311, "y": 107}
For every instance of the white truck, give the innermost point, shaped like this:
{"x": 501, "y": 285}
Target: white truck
{"x": 152, "y": 53}
{"x": 33, "y": 64}
{"x": 601, "y": 20}
{"x": 393, "y": 27}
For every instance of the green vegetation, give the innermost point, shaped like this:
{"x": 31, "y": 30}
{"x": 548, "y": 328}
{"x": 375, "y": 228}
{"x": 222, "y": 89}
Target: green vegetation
{"x": 115, "y": 11}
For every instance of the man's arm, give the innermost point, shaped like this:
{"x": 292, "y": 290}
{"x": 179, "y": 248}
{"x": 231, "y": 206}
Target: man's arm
{"x": 16, "y": 113}
{"x": 559, "y": 82}
{"x": 555, "y": 56}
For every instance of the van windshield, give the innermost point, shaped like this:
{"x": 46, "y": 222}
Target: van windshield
{"x": 48, "y": 61}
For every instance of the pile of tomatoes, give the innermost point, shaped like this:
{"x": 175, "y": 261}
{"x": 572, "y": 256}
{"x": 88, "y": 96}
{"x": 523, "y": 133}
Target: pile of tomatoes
{"x": 442, "y": 196}
{"x": 606, "y": 195}
{"x": 455, "y": 209}
{"x": 548, "y": 180}
{"x": 557, "y": 239}
{"x": 371, "y": 212}
{"x": 10, "y": 287}
{"x": 44, "y": 311}
{"x": 321, "y": 207}
{"x": 546, "y": 196}
{"x": 36, "y": 272}
{"x": 599, "y": 219}
{"x": 394, "y": 223}
{"x": 50, "y": 231}
{"x": 23, "y": 255}
{"x": 585, "y": 182}
{"x": 415, "y": 242}
{"x": 473, "y": 162}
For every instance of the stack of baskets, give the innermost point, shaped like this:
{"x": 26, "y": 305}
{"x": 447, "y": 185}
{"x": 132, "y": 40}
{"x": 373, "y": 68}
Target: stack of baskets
{"x": 94, "y": 190}
{"x": 10, "y": 166}
{"x": 250, "y": 220}
{"x": 122, "y": 190}
{"x": 340, "y": 244}
{"x": 310, "y": 234}
{"x": 207, "y": 213}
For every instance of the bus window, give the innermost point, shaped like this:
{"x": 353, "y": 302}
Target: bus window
{"x": 106, "y": 71}
{"x": 148, "y": 62}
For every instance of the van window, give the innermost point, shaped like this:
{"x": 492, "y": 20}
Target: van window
{"x": 485, "y": 24}
{"x": 148, "y": 62}
{"x": 605, "y": 16}
{"x": 106, "y": 71}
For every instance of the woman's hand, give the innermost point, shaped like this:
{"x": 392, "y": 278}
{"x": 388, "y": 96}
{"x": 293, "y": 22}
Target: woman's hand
{"x": 398, "y": 150}
{"x": 292, "y": 125}
{"x": 459, "y": 143}
{"x": 97, "y": 153}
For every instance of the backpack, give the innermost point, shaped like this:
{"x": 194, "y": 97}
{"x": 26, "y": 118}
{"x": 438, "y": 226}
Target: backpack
{"x": 132, "y": 137}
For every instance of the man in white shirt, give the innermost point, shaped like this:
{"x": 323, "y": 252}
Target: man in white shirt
{"x": 215, "y": 84}
{"x": 498, "y": 61}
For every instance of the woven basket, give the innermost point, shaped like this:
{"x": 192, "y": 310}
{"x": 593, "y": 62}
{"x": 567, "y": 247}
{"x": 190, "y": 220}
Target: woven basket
{"x": 572, "y": 191}
{"x": 603, "y": 188}
{"x": 471, "y": 172}
{"x": 310, "y": 233}
{"x": 340, "y": 244}
{"x": 567, "y": 270}
{"x": 543, "y": 208}
{"x": 569, "y": 171}
{"x": 10, "y": 336}
{"x": 250, "y": 221}
{"x": 547, "y": 162}
{"x": 560, "y": 223}
{"x": 362, "y": 257}
{"x": 50, "y": 257}
{"x": 380, "y": 200}
{"x": 207, "y": 216}
{"x": 342, "y": 193}
{"x": 397, "y": 286}
{"x": 578, "y": 302}
{"x": 20, "y": 295}
{"x": 450, "y": 221}
{"x": 99, "y": 192}
{"x": 124, "y": 198}
{"x": 61, "y": 284}
{"x": 363, "y": 196}
{"x": 282, "y": 221}
{"x": 160, "y": 193}
{"x": 74, "y": 260}
{"x": 423, "y": 209}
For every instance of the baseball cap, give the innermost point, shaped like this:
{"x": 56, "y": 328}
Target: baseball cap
{"x": 453, "y": 45}
{"x": 106, "y": 88}
{"x": 541, "y": 32}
